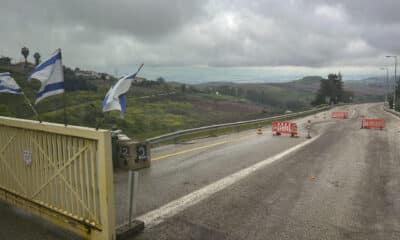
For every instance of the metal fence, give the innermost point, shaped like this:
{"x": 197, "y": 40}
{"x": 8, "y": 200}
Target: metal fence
{"x": 226, "y": 125}
{"x": 62, "y": 173}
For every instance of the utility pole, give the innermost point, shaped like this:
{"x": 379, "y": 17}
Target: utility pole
{"x": 395, "y": 80}
{"x": 387, "y": 83}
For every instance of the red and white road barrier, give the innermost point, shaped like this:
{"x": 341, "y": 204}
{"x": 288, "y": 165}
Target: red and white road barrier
{"x": 342, "y": 115}
{"x": 378, "y": 123}
{"x": 284, "y": 127}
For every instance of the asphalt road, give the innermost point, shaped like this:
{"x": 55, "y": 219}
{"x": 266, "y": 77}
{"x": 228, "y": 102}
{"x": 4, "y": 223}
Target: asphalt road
{"x": 211, "y": 159}
{"x": 344, "y": 183}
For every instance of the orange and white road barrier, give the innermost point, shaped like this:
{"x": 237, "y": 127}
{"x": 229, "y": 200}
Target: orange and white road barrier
{"x": 279, "y": 127}
{"x": 259, "y": 131}
{"x": 378, "y": 123}
{"x": 342, "y": 115}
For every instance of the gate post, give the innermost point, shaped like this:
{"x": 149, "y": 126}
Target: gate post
{"x": 106, "y": 189}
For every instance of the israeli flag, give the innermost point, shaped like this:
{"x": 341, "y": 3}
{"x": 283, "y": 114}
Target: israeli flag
{"x": 8, "y": 84}
{"x": 115, "y": 98}
{"x": 50, "y": 74}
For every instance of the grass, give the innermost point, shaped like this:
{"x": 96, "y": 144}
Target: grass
{"x": 232, "y": 129}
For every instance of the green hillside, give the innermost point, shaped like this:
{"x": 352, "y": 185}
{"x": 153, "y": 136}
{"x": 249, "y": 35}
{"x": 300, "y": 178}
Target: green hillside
{"x": 274, "y": 97}
{"x": 156, "y": 107}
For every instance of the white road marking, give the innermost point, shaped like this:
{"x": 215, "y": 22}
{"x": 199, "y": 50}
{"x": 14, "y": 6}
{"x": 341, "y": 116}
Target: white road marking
{"x": 170, "y": 209}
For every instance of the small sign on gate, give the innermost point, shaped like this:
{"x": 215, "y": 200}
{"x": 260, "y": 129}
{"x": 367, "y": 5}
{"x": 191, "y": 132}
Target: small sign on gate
{"x": 141, "y": 152}
{"x": 133, "y": 155}
{"x": 27, "y": 155}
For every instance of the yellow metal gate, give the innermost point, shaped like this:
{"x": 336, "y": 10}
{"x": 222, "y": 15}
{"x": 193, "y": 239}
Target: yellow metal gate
{"x": 61, "y": 173}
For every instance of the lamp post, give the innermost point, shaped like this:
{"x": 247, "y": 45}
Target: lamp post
{"x": 387, "y": 82}
{"x": 395, "y": 80}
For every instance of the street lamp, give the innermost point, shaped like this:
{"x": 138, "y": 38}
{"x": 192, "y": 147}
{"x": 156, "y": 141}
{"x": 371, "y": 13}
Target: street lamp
{"x": 387, "y": 82}
{"x": 395, "y": 80}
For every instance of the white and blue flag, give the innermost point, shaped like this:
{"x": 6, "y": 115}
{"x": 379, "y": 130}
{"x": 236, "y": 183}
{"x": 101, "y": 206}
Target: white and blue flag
{"x": 8, "y": 84}
{"x": 115, "y": 98}
{"x": 50, "y": 74}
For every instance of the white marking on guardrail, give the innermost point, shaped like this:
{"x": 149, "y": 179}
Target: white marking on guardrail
{"x": 157, "y": 216}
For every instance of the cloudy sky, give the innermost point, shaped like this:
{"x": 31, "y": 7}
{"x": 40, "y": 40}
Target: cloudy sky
{"x": 186, "y": 40}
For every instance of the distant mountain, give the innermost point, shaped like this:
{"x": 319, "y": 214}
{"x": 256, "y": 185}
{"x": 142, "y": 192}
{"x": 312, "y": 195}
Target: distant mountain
{"x": 375, "y": 82}
{"x": 309, "y": 80}
{"x": 309, "y": 84}
{"x": 303, "y": 90}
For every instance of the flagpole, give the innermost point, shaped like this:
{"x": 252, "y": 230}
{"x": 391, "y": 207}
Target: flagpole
{"x": 65, "y": 93}
{"x": 98, "y": 123}
{"x": 140, "y": 67}
{"x": 31, "y": 106}
{"x": 65, "y": 108}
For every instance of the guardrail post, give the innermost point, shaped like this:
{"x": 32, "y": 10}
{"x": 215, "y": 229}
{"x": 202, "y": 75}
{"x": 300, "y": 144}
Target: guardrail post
{"x": 106, "y": 189}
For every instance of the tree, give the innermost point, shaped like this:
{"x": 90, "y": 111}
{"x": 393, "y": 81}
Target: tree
{"x": 37, "y": 58}
{"x": 390, "y": 100}
{"x": 5, "y": 61}
{"x": 25, "y": 53}
{"x": 103, "y": 77}
{"x": 241, "y": 92}
{"x": 72, "y": 82}
{"x": 160, "y": 80}
{"x": 183, "y": 88}
{"x": 331, "y": 91}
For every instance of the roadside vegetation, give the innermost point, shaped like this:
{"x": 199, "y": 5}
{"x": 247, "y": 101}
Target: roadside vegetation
{"x": 158, "y": 106}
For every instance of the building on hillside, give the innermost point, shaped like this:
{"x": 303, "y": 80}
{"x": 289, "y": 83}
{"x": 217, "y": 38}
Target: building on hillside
{"x": 92, "y": 74}
{"x": 106, "y": 76}
{"x": 88, "y": 74}
{"x": 140, "y": 79}
{"x": 21, "y": 65}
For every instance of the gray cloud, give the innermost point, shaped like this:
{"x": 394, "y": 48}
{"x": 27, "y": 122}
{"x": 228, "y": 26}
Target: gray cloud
{"x": 141, "y": 18}
{"x": 99, "y": 34}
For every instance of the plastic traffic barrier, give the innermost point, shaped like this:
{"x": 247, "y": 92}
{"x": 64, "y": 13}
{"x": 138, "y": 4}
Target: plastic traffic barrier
{"x": 342, "y": 115}
{"x": 284, "y": 127}
{"x": 378, "y": 123}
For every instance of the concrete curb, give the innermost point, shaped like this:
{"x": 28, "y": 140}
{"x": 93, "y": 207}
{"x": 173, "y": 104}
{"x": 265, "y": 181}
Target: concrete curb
{"x": 397, "y": 114}
{"x": 125, "y": 232}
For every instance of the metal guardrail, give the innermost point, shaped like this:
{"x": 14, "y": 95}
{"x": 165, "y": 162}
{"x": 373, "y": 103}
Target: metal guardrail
{"x": 225, "y": 125}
